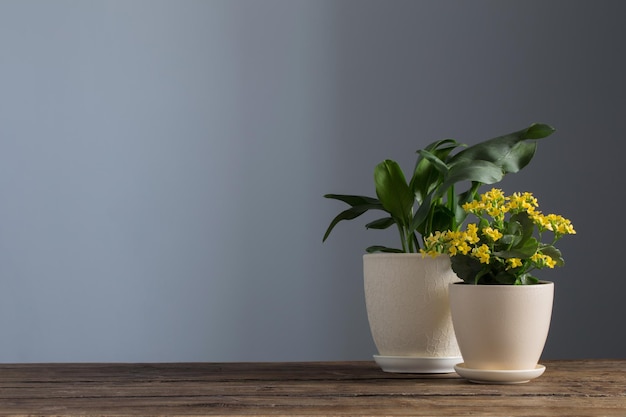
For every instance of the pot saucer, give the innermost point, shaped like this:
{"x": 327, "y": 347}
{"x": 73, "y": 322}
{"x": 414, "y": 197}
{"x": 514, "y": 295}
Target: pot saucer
{"x": 496, "y": 376}
{"x": 418, "y": 365}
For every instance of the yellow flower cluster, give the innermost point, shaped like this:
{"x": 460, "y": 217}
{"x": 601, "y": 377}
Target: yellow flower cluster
{"x": 493, "y": 203}
{"x": 523, "y": 202}
{"x": 496, "y": 205}
{"x": 479, "y": 243}
{"x": 451, "y": 242}
{"x": 482, "y": 253}
{"x": 455, "y": 242}
{"x": 554, "y": 223}
{"x": 543, "y": 260}
{"x": 493, "y": 234}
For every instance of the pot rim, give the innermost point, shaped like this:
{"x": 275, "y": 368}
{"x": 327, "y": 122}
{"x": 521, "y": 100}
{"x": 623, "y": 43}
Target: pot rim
{"x": 402, "y": 254}
{"x": 540, "y": 283}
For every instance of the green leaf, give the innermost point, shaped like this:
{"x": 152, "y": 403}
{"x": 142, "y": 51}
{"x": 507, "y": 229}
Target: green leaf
{"x": 355, "y": 200}
{"x": 509, "y": 240}
{"x": 437, "y": 163}
{"x": 359, "y": 205}
{"x": 506, "y": 151}
{"x": 466, "y": 267}
{"x": 553, "y": 253}
{"x": 393, "y": 191}
{"x": 348, "y": 214}
{"x": 442, "y": 218}
{"x": 526, "y": 279}
{"x": 518, "y": 157}
{"x": 373, "y": 249}
{"x": 419, "y": 219}
{"x": 538, "y": 131}
{"x": 524, "y": 250}
{"x": 512, "y": 234}
{"x": 484, "y": 172}
{"x": 505, "y": 278}
{"x": 383, "y": 223}
{"x": 525, "y": 223}
{"x": 426, "y": 176}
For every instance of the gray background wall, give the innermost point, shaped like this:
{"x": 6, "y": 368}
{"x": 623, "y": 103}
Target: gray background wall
{"x": 162, "y": 164}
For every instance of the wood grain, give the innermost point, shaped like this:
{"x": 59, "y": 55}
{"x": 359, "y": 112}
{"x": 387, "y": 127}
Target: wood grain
{"x": 568, "y": 388}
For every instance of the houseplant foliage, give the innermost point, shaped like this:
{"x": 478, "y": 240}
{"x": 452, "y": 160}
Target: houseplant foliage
{"x": 446, "y": 176}
{"x": 506, "y": 243}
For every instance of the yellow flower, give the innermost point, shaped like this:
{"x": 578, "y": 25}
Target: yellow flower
{"x": 431, "y": 253}
{"x": 561, "y": 225}
{"x": 493, "y": 234}
{"x": 464, "y": 248}
{"x": 471, "y": 235}
{"x": 514, "y": 262}
{"x": 496, "y": 212}
{"x": 482, "y": 253}
{"x": 493, "y": 196}
{"x": 494, "y": 203}
{"x": 543, "y": 260}
{"x": 475, "y": 207}
{"x": 551, "y": 263}
{"x": 554, "y": 223}
{"x": 540, "y": 220}
{"x": 523, "y": 202}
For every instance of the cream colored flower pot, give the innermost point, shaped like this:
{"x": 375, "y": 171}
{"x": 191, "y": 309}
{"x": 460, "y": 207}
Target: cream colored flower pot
{"x": 407, "y": 307}
{"x": 501, "y": 327}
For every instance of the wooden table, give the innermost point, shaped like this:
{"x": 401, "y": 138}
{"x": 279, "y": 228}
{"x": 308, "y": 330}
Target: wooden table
{"x": 567, "y": 388}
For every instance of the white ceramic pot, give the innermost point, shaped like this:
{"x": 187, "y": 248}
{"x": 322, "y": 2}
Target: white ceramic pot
{"x": 406, "y": 296}
{"x": 501, "y": 327}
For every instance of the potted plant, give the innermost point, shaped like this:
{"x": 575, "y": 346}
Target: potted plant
{"x": 406, "y": 294}
{"x": 501, "y": 313}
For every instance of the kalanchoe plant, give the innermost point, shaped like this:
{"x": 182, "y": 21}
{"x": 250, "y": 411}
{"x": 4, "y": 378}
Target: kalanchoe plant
{"x": 431, "y": 200}
{"x": 506, "y": 243}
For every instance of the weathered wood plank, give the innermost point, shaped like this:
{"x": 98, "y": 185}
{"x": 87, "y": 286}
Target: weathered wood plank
{"x": 596, "y": 387}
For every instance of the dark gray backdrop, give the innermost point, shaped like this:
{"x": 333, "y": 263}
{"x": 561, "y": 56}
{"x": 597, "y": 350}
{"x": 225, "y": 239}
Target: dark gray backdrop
{"x": 162, "y": 164}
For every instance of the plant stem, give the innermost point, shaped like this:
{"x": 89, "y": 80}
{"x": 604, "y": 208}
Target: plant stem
{"x": 402, "y": 237}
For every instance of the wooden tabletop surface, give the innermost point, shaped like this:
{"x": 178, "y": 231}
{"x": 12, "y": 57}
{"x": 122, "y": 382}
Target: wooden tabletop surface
{"x": 567, "y": 388}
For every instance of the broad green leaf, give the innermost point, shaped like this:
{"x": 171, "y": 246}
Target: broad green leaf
{"x": 505, "y": 278}
{"x": 383, "y": 223}
{"x": 393, "y": 191}
{"x": 466, "y": 267}
{"x": 474, "y": 171}
{"x": 513, "y": 234}
{"x": 518, "y": 157}
{"x": 553, "y": 253}
{"x": 538, "y": 131}
{"x": 500, "y": 150}
{"x": 509, "y": 240}
{"x": 525, "y": 250}
{"x": 525, "y": 223}
{"x": 526, "y": 279}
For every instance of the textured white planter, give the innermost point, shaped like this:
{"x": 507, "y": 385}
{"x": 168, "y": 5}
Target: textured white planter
{"x": 501, "y": 327}
{"x": 408, "y": 311}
